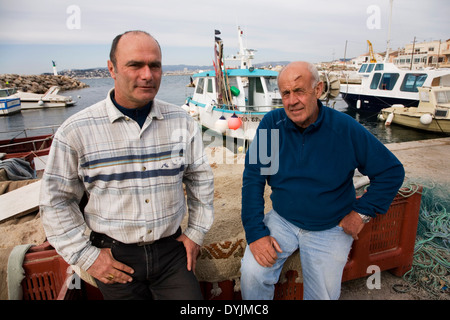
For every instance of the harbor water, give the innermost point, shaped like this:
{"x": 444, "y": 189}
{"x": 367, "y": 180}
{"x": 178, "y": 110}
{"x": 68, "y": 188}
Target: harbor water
{"x": 174, "y": 90}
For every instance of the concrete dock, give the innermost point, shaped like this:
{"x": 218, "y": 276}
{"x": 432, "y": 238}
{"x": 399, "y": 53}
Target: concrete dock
{"x": 424, "y": 159}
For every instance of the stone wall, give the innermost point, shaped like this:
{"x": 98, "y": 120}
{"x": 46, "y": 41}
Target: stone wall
{"x": 39, "y": 83}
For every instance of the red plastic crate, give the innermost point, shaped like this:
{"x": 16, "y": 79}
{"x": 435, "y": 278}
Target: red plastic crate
{"x": 290, "y": 289}
{"x": 45, "y": 274}
{"x": 387, "y": 241}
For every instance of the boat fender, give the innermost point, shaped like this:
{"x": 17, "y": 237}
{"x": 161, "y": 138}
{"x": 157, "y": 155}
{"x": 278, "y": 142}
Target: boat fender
{"x": 380, "y": 117}
{"x": 234, "y": 122}
{"x": 40, "y": 103}
{"x": 235, "y": 91}
{"x": 358, "y": 104}
{"x": 193, "y": 111}
{"x": 221, "y": 125}
{"x": 185, "y": 107}
{"x": 389, "y": 119}
{"x": 426, "y": 119}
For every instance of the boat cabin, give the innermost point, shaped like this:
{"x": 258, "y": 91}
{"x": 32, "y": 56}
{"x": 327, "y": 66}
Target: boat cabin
{"x": 250, "y": 89}
{"x": 435, "y": 100}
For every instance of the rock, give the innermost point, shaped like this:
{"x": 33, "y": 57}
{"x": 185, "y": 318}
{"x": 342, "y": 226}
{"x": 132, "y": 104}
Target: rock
{"x": 39, "y": 83}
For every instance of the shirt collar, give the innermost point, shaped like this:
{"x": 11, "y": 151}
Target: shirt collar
{"x": 115, "y": 114}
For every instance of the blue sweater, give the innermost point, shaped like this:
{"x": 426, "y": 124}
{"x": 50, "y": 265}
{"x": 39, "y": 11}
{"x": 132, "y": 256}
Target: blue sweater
{"x": 311, "y": 176}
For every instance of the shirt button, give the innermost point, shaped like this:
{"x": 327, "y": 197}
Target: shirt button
{"x": 149, "y": 231}
{"x": 147, "y": 200}
{"x": 144, "y": 168}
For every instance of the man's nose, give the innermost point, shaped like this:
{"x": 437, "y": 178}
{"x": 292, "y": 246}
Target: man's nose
{"x": 292, "y": 99}
{"x": 146, "y": 73}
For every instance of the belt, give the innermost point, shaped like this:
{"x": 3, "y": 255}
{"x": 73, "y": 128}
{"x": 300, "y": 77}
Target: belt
{"x": 103, "y": 241}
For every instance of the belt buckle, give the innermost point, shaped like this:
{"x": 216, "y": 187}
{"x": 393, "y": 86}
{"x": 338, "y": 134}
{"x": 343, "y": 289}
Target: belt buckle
{"x": 144, "y": 243}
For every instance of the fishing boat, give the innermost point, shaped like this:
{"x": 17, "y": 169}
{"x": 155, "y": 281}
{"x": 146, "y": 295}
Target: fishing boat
{"x": 34, "y": 149}
{"x": 50, "y": 99}
{"x": 232, "y": 101}
{"x": 432, "y": 113}
{"x": 8, "y": 103}
{"x": 383, "y": 84}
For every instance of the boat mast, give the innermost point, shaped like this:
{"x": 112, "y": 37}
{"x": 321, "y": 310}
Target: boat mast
{"x": 386, "y": 59}
{"x": 244, "y": 55}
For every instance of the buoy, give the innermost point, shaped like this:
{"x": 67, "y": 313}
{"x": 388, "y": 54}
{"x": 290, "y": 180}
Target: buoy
{"x": 221, "y": 125}
{"x": 234, "y": 122}
{"x": 193, "y": 111}
{"x": 389, "y": 119}
{"x": 426, "y": 119}
{"x": 185, "y": 107}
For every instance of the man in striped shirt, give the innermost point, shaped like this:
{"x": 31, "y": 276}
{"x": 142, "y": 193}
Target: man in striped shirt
{"x": 131, "y": 155}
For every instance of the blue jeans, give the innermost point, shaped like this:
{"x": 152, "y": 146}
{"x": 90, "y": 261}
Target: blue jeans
{"x": 323, "y": 255}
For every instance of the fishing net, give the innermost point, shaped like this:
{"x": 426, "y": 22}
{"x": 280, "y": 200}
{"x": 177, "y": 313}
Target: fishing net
{"x": 431, "y": 262}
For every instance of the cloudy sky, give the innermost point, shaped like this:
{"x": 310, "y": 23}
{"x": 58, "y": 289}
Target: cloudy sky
{"x": 77, "y": 33}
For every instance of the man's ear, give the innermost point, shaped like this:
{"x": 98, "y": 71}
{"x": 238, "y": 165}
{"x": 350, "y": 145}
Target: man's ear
{"x": 111, "y": 69}
{"x": 319, "y": 89}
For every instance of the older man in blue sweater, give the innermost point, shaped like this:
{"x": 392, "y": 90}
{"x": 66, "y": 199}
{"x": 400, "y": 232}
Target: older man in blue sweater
{"x": 307, "y": 154}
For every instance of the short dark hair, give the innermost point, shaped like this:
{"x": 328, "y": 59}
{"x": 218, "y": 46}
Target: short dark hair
{"x": 112, "y": 52}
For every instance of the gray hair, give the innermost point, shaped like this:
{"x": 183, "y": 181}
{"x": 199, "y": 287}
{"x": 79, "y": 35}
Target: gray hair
{"x": 311, "y": 68}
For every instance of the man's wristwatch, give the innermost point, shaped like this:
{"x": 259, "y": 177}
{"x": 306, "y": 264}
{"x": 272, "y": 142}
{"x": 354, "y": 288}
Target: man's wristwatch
{"x": 364, "y": 218}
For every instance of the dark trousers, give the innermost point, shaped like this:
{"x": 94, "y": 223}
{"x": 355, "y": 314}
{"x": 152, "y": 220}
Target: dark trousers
{"x": 160, "y": 270}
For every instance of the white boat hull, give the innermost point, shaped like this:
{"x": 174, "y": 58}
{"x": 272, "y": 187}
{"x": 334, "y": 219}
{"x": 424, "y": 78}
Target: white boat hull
{"x": 41, "y": 105}
{"x": 9, "y": 106}
{"x": 409, "y": 118}
{"x": 208, "y": 117}
{"x": 50, "y": 99}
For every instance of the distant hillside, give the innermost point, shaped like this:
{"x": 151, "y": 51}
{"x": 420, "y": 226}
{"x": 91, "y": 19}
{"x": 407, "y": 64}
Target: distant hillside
{"x": 169, "y": 69}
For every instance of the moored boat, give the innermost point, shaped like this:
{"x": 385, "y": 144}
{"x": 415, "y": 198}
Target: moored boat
{"x": 8, "y": 103}
{"x": 50, "y": 99}
{"x": 383, "y": 84}
{"x": 232, "y": 101}
{"x": 34, "y": 149}
{"x": 432, "y": 113}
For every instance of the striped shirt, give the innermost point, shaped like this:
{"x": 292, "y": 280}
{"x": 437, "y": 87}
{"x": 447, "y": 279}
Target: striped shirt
{"x": 133, "y": 177}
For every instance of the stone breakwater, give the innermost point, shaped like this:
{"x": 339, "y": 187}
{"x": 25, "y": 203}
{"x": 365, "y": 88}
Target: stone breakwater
{"x": 39, "y": 83}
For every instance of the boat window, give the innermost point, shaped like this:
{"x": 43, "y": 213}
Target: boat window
{"x": 370, "y": 68}
{"x": 443, "y": 96}
{"x": 210, "y": 85}
{"x": 259, "y": 88}
{"x": 375, "y": 81}
{"x": 379, "y": 67}
{"x": 363, "y": 68}
{"x": 272, "y": 84}
{"x": 200, "y": 85}
{"x": 424, "y": 96}
{"x": 388, "y": 81}
{"x": 232, "y": 81}
{"x": 412, "y": 81}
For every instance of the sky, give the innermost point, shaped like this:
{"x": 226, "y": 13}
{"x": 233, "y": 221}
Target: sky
{"x": 77, "y": 34}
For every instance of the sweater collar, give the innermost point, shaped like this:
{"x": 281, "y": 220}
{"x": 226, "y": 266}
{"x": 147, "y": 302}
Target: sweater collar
{"x": 291, "y": 125}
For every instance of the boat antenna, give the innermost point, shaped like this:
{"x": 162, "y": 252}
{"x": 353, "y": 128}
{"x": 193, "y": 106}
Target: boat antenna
{"x": 386, "y": 59}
